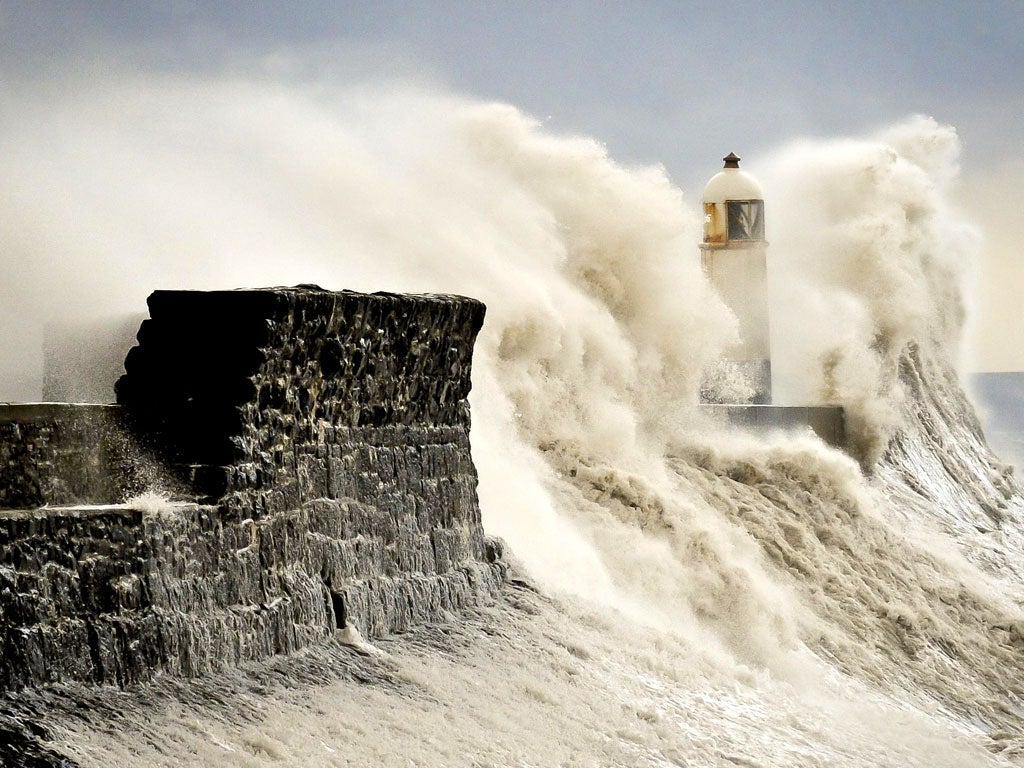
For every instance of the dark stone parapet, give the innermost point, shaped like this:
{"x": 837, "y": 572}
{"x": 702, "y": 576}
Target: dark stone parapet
{"x": 317, "y": 444}
{"x": 236, "y": 377}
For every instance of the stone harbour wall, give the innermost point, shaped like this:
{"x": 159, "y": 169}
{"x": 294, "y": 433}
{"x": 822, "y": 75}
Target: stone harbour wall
{"x": 317, "y": 448}
{"x": 61, "y": 454}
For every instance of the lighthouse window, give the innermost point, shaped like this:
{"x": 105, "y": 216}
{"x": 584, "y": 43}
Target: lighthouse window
{"x": 746, "y": 219}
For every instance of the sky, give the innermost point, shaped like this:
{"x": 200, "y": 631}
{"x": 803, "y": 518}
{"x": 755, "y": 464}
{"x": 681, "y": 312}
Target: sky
{"x": 672, "y": 83}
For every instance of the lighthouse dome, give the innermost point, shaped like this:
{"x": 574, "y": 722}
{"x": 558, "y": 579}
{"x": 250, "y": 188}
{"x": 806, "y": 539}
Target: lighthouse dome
{"x": 732, "y": 184}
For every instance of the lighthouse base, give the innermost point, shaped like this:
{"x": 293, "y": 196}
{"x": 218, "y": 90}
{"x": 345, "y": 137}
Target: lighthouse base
{"x": 738, "y": 382}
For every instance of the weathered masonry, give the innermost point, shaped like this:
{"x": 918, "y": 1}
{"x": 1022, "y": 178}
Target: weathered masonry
{"x": 828, "y": 422}
{"x": 317, "y": 447}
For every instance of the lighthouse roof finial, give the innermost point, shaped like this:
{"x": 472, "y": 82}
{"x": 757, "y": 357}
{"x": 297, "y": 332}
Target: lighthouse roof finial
{"x": 732, "y": 184}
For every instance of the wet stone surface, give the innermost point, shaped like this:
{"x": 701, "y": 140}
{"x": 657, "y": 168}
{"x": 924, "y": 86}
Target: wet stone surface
{"x": 319, "y": 446}
{"x": 60, "y": 454}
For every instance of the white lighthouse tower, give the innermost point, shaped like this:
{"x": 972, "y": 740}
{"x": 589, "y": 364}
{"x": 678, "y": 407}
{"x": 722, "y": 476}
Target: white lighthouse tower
{"x": 733, "y": 256}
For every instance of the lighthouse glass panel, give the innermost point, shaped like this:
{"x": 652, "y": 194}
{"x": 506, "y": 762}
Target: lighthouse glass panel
{"x": 746, "y": 219}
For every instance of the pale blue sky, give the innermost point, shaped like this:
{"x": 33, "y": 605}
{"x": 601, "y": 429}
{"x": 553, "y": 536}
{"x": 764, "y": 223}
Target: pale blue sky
{"x": 657, "y": 81}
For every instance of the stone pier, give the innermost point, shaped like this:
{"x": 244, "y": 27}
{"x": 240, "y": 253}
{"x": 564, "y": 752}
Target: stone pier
{"x": 315, "y": 446}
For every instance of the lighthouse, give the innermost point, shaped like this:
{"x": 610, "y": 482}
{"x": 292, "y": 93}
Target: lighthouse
{"x": 734, "y": 258}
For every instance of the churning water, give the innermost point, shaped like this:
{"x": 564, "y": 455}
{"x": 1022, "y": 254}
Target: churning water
{"x": 699, "y": 597}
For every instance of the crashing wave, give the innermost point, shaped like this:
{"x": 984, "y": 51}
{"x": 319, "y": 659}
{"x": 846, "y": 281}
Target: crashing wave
{"x": 707, "y": 597}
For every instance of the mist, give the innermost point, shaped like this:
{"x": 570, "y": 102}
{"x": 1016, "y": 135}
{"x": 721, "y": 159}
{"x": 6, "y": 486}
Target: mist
{"x": 600, "y": 323}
